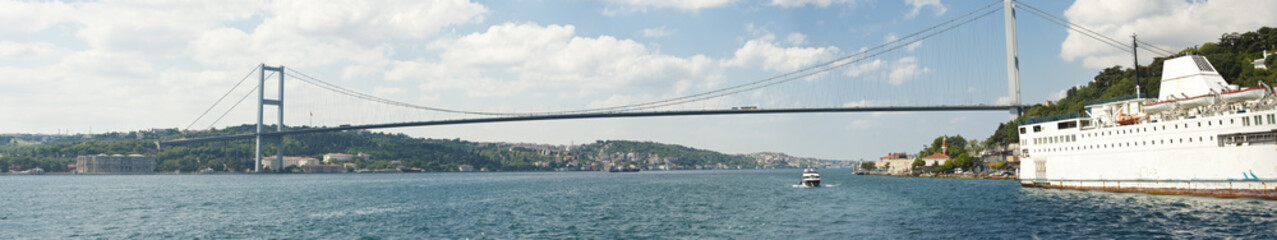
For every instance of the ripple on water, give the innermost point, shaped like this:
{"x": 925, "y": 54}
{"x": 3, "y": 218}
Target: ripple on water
{"x": 706, "y": 204}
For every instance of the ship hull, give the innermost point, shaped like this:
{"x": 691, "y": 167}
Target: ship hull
{"x": 1182, "y": 159}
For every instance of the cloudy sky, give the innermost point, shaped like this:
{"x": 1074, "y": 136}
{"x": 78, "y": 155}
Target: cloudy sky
{"x": 75, "y": 67}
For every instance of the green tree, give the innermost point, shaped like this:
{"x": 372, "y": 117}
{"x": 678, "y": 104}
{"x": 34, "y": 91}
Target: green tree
{"x": 868, "y": 166}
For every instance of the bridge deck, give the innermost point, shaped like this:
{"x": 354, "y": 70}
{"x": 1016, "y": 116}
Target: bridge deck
{"x": 598, "y": 115}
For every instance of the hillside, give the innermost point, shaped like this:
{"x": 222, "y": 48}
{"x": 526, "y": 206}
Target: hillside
{"x": 1231, "y": 56}
{"x": 386, "y": 151}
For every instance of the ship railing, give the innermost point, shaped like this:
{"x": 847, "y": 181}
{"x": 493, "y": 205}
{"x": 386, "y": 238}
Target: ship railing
{"x": 1056, "y": 117}
{"x": 1237, "y": 139}
{"x": 1122, "y": 98}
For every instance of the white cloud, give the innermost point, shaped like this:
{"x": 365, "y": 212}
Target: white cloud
{"x": 893, "y": 72}
{"x": 657, "y": 32}
{"x": 16, "y": 50}
{"x": 549, "y": 57}
{"x": 817, "y": 3}
{"x": 21, "y": 18}
{"x": 891, "y": 37}
{"x": 621, "y": 7}
{"x": 1169, "y": 24}
{"x": 161, "y": 28}
{"x": 796, "y": 39}
{"x": 917, "y": 5}
{"x": 859, "y": 103}
{"x": 766, "y": 54}
{"x": 1004, "y": 100}
{"x": 856, "y": 70}
{"x": 372, "y": 22}
{"x": 906, "y": 69}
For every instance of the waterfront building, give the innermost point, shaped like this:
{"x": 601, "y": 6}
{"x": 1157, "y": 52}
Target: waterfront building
{"x": 268, "y": 162}
{"x": 895, "y": 163}
{"x": 936, "y": 159}
{"x": 321, "y": 168}
{"x": 116, "y": 163}
{"x": 337, "y": 157}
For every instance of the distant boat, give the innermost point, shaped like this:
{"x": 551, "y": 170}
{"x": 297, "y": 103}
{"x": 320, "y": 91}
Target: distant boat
{"x": 811, "y": 178}
{"x": 623, "y": 169}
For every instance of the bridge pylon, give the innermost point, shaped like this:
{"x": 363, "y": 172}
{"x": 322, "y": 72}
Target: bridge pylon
{"x": 262, "y": 101}
{"x": 1013, "y": 59}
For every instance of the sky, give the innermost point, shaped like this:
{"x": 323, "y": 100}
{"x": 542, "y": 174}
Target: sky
{"x": 100, "y": 66}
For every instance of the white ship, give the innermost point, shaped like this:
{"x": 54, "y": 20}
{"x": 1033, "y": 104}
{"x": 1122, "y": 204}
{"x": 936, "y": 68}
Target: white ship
{"x": 1201, "y": 136}
{"x": 811, "y": 178}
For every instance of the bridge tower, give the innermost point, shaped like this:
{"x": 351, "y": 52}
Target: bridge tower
{"x": 1013, "y": 59}
{"x": 261, "y": 104}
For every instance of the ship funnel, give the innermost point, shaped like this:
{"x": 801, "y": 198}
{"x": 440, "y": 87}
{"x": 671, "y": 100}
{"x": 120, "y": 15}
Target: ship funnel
{"x": 1190, "y": 75}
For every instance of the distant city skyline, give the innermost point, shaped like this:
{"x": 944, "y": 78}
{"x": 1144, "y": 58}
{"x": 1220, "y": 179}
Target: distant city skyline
{"x": 124, "y": 66}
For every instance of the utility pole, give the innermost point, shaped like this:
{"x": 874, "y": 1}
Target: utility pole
{"x": 1135, "y": 50}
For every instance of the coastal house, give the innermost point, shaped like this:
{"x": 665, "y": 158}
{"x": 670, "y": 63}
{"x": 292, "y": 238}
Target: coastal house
{"x": 1259, "y": 63}
{"x": 895, "y": 163}
{"x": 268, "y": 162}
{"x": 322, "y": 168}
{"x": 936, "y": 159}
{"x": 115, "y": 163}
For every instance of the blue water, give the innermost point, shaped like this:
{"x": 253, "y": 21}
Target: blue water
{"x": 752, "y": 204}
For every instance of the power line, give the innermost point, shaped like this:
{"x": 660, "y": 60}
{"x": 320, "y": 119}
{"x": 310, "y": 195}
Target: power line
{"x": 1091, "y": 33}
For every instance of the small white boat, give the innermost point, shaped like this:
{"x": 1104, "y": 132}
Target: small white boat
{"x": 1198, "y": 101}
{"x": 1244, "y": 94}
{"x": 1157, "y": 107}
{"x": 811, "y": 178}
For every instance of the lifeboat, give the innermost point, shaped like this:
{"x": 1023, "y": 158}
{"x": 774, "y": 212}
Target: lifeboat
{"x": 1244, "y": 94}
{"x": 1157, "y": 107}
{"x": 1127, "y": 120}
{"x": 1198, "y": 101}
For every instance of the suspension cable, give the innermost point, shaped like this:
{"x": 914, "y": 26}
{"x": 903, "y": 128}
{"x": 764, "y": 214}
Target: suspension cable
{"x": 241, "y": 100}
{"x": 1087, "y": 31}
{"x": 754, "y": 85}
{"x": 219, "y": 100}
{"x": 822, "y": 70}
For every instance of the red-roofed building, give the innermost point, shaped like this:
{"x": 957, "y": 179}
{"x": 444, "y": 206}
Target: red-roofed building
{"x": 936, "y": 159}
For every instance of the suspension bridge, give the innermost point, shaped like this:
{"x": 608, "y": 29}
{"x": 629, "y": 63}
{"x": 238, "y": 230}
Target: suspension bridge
{"x": 856, "y": 82}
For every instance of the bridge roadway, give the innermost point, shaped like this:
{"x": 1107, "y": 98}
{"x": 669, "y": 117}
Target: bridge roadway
{"x": 596, "y": 115}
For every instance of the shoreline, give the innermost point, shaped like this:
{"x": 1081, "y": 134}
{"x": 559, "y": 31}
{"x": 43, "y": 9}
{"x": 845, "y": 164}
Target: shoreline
{"x": 1217, "y": 193}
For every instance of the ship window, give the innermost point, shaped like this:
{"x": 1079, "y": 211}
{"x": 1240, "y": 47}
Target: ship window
{"x": 1259, "y": 120}
{"x": 1199, "y": 139}
{"x": 1037, "y": 128}
{"x": 1245, "y": 121}
{"x": 1022, "y": 131}
{"x": 1271, "y": 120}
{"x": 1199, "y": 124}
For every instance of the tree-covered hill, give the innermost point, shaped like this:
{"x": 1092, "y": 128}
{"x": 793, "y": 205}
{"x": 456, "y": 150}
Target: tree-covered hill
{"x": 385, "y": 151}
{"x": 1231, "y": 55}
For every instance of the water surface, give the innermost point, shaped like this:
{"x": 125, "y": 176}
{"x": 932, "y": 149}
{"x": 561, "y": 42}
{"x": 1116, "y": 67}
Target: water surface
{"x": 750, "y": 204}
